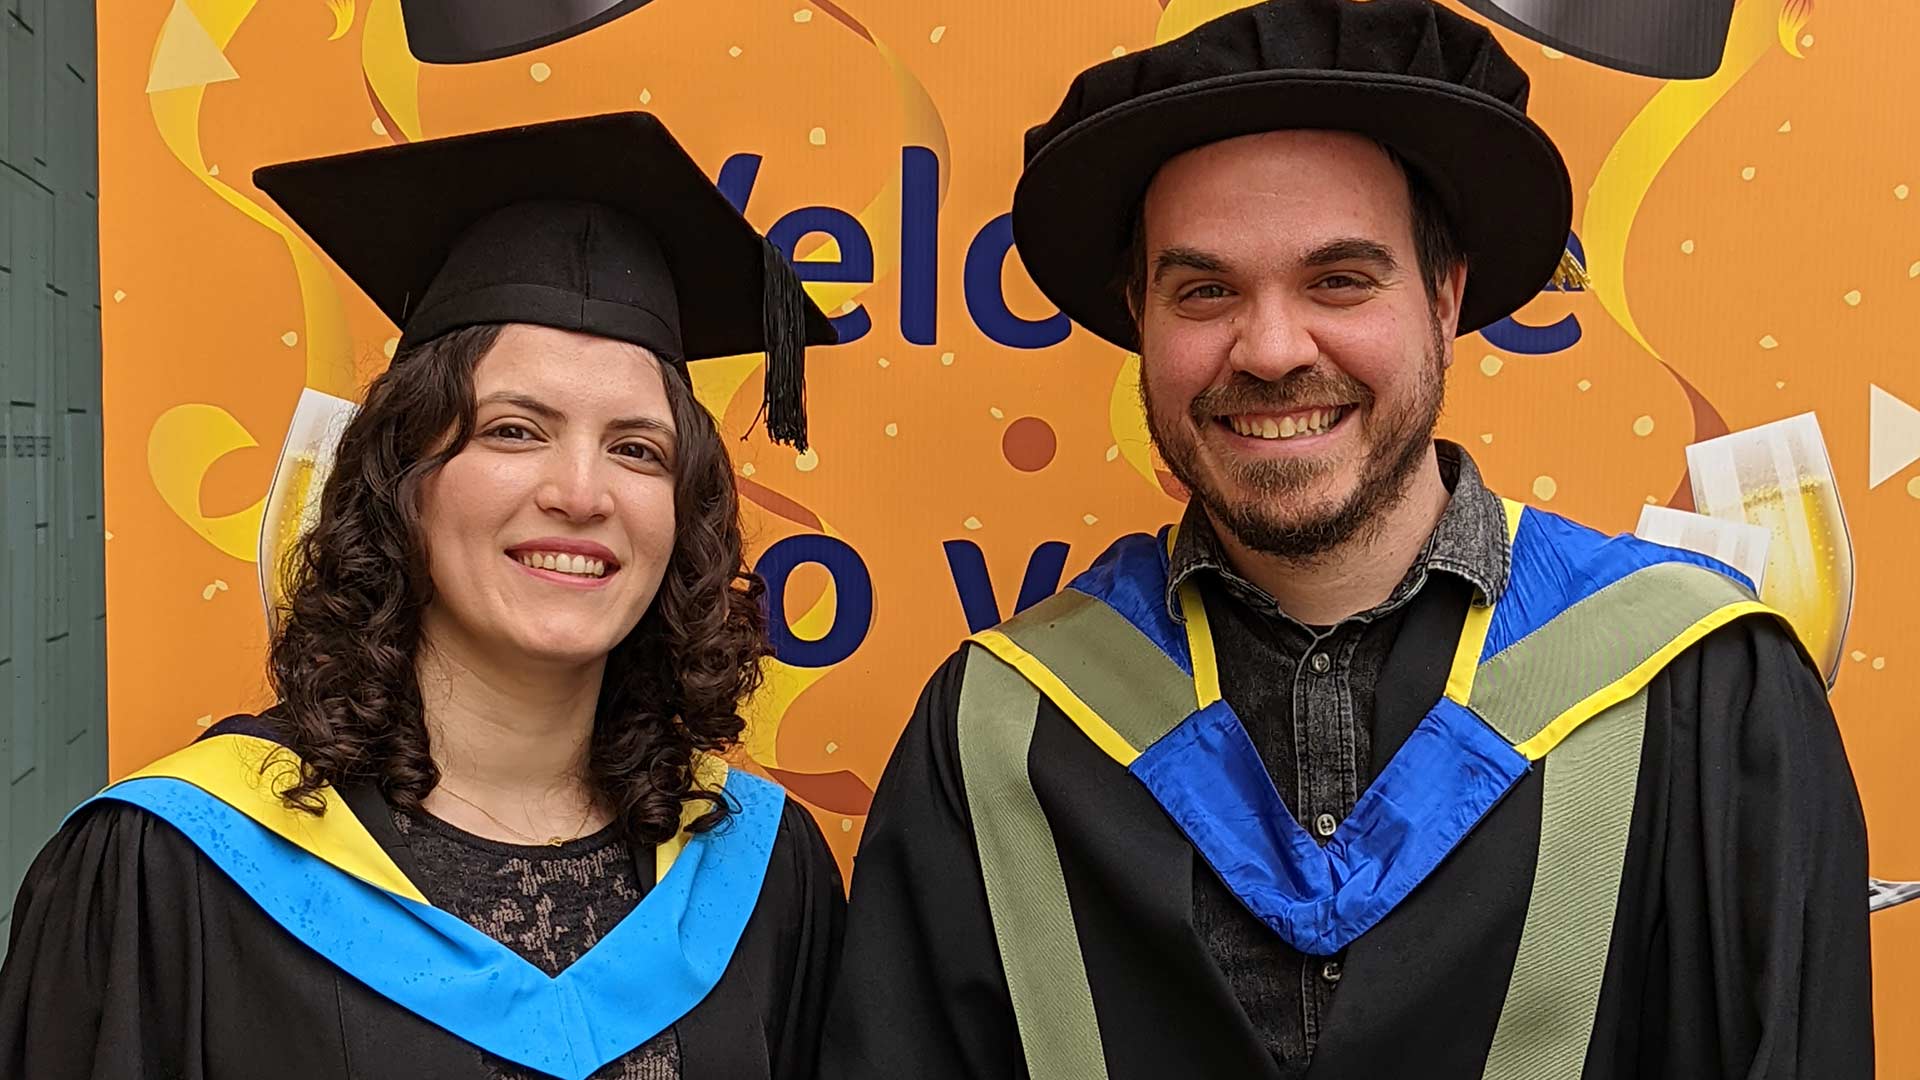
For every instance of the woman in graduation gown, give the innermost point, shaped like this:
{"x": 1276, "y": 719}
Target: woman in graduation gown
{"x": 487, "y": 829}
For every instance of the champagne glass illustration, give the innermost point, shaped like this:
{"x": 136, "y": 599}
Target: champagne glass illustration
{"x": 1779, "y": 476}
{"x": 293, "y": 498}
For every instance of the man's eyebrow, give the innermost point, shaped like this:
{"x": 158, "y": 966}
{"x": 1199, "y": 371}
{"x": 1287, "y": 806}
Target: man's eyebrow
{"x": 1179, "y": 258}
{"x": 1351, "y": 249}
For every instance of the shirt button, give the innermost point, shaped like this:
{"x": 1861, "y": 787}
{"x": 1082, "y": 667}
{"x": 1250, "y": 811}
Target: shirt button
{"x": 1321, "y": 663}
{"x": 1331, "y": 972}
{"x": 1325, "y": 825}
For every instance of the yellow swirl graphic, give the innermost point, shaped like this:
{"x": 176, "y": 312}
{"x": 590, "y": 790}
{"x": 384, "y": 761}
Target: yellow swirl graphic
{"x": 1643, "y": 150}
{"x": 176, "y": 113}
{"x": 342, "y": 11}
{"x": 782, "y": 684}
{"x": 184, "y": 443}
{"x": 1794, "y": 16}
{"x": 392, "y": 74}
{"x": 1129, "y": 420}
{"x": 186, "y": 440}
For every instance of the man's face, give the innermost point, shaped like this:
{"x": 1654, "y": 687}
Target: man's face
{"x": 1292, "y": 364}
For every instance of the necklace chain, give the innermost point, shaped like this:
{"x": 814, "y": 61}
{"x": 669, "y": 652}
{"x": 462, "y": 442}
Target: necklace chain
{"x": 551, "y": 841}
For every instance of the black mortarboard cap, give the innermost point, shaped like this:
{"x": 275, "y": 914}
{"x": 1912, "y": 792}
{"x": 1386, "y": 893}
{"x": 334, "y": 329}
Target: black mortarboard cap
{"x": 1667, "y": 39}
{"x": 467, "y": 31}
{"x": 601, "y": 224}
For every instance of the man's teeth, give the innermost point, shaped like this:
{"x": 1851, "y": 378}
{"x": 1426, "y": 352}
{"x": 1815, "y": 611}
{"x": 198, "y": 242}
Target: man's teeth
{"x": 1314, "y": 422}
{"x": 565, "y": 564}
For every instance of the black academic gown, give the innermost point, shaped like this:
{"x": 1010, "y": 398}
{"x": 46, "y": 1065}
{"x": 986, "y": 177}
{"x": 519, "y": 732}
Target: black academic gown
{"x": 1739, "y": 949}
{"x": 133, "y": 956}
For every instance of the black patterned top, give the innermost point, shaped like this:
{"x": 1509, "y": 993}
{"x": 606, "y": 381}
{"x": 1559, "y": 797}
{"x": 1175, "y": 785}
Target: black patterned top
{"x": 548, "y": 904}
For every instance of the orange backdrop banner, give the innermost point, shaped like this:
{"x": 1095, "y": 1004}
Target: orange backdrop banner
{"x": 1742, "y": 205}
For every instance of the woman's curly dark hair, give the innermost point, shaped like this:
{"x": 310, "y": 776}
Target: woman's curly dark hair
{"x": 342, "y": 658}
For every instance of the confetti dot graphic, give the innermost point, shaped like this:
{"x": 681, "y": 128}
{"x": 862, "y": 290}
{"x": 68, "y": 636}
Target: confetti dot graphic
{"x": 289, "y": 339}
{"x": 121, "y": 294}
{"x": 1747, "y": 173}
{"x": 378, "y": 127}
{"x": 1902, "y": 192}
{"x": 1029, "y": 444}
{"x": 540, "y": 71}
{"x": 1913, "y": 487}
{"x": 1686, "y": 247}
{"x": 1487, "y": 437}
{"x": 996, "y": 414}
{"x": 972, "y": 523}
{"x": 748, "y": 469}
{"x": 1119, "y": 51}
{"x": 892, "y": 430}
{"x": 1786, "y": 127}
{"x": 1090, "y": 519}
{"x": 833, "y": 748}
{"x": 1879, "y": 663}
{"x": 946, "y": 359}
{"x": 1858, "y": 656}
{"x": 1852, "y": 298}
{"x": 1643, "y": 427}
{"x": 1113, "y": 453}
{"x": 646, "y": 96}
{"x": 846, "y": 824}
{"x": 938, "y": 33}
{"x": 734, "y": 51}
{"x": 1768, "y": 342}
{"x": 1552, "y": 53}
{"x": 390, "y": 346}
{"x": 884, "y": 362}
{"x": 804, "y": 15}
{"x": 807, "y": 462}
{"x": 1491, "y": 365}
{"x": 1545, "y": 488}
{"x": 818, "y": 136}
{"x": 1584, "y": 385}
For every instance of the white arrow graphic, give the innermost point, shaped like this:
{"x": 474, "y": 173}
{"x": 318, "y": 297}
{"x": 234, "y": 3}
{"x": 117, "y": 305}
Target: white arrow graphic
{"x": 1893, "y": 436}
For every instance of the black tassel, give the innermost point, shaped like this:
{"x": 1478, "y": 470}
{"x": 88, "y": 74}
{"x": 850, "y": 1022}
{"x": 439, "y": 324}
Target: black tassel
{"x": 784, "y": 322}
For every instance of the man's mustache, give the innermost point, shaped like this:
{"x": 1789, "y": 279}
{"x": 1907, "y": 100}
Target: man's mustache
{"x": 1307, "y": 388}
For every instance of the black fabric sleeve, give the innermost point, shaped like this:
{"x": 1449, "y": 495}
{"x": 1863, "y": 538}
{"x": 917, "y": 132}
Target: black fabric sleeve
{"x": 1756, "y": 923}
{"x": 921, "y": 990}
{"x": 102, "y": 975}
{"x": 804, "y": 866}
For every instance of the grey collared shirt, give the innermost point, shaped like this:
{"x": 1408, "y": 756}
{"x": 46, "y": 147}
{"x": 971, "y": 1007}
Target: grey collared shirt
{"x": 1306, "y": 696}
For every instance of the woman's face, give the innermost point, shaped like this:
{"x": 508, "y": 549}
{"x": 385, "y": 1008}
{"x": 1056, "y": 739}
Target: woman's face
{"x": 549, "y": 532}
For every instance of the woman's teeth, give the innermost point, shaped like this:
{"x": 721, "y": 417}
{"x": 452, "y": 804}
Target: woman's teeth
{"x": 1314, "y": 422}
{"x": 565, "y": 564}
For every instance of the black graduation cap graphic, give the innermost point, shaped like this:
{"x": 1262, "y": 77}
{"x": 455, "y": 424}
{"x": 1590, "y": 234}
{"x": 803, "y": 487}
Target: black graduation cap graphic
{"x": 1666, "y": 39}
{"x": 468, "y": 31}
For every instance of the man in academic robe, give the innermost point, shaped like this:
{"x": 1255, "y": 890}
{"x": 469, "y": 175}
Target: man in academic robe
{"x": 1361, "y": 769}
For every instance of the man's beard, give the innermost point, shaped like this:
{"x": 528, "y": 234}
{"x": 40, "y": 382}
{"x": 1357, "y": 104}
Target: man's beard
{"x": 1249, "y": 505}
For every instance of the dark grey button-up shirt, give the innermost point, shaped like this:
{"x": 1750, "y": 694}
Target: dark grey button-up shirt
{"x": 1306, "y": 696}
